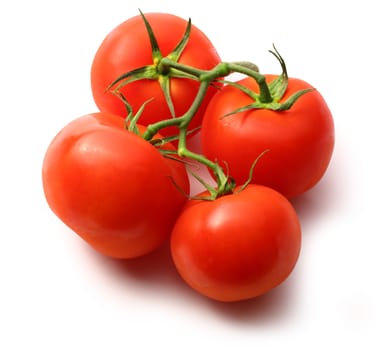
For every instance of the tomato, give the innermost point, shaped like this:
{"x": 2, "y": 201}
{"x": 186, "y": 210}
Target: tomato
{"x": 238, "y": 246}
{"x": 111, "y": 187}
{"x": 300, "y": 140}
{"x": 127, "y": 47}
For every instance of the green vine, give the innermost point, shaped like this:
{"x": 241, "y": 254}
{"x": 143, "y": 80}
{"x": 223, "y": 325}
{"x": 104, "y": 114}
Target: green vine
{"x": 164, "y": 68}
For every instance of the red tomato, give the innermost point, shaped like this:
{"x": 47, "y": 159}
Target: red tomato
{"x": 238, "y": 246}
{"x": 127, "y": 47}
{"x": 300, "y": 140}
{"x": 112, "y": 187}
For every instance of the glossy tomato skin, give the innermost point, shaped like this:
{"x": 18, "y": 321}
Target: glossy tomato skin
{"x": 239, "y": 246}
{"x": 112, "y": 187}
{"x": 127, "y": 47}
{"x": 300, "y": 140}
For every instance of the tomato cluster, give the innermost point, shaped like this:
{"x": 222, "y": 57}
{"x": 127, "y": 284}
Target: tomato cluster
{"x": 119, "y": 177}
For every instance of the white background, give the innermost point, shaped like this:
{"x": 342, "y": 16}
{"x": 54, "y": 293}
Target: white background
{"x": 56, "y": 293}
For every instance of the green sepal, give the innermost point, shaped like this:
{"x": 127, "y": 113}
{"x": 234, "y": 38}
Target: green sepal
{"x": 130, "y": 122}
{"x": 177, "y": 51}
{"x": 157, "y": 70}
{"x": 134, "y": 119}
{"x": 251, "y": 172}
{"x": 279, "y": 85}
{"x": 244, "y": 89}
{"x": 213, "y": 193}
{"x": 165, "y": 87}
{"x": 145, "y": 72}
{"x": 131, "y": 128}
{"x": 277, "y": 89}
{"x": 292, "y": 99}
{"x": 156, "y": 52}
{"x": 165, "y": 75}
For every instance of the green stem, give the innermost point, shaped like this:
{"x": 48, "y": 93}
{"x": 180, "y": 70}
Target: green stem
{"x": 264, "y": 91}
{"x": 206, "y": 78}
{"x": 221, "y": 70}
{"x": 167, "y": 62}
{"x": 187, "y": 117}
{"x": 224, "y": 184}
{"x": 153, "y": 129}
{"x": 184, "y": 120}
{"x": 222, "y": 179}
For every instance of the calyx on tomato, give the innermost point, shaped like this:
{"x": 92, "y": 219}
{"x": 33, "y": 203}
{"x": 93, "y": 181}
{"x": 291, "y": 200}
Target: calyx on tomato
{"x": 157, "y": 71}
{"x": 270, "y": 94}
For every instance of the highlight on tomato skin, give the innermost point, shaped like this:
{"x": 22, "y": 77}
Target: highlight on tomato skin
{"x": 127, "y": 47}
{"x": 238, "y": 246}
{"x": 112, "y": 187}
